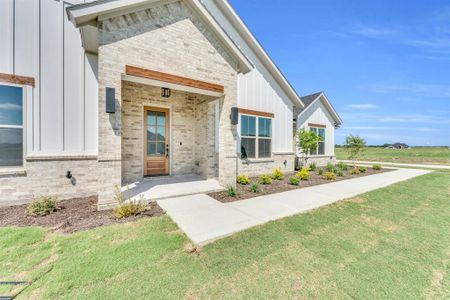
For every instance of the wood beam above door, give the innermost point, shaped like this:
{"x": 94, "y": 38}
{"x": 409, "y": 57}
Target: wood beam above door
{"x": 174, "y": 79}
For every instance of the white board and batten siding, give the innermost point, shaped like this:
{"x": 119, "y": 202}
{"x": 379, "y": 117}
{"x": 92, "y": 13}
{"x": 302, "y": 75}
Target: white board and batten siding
{"x": 257, "y": 90}
{"x": 62, "y": 108}
{"x": 317, "y": 113}
{"x": 39, "y": 41}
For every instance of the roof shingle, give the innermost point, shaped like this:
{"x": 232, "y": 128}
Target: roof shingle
{"x": 307, "y": 100}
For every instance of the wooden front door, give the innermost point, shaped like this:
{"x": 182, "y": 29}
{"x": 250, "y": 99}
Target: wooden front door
{"x": 156, "y": 145}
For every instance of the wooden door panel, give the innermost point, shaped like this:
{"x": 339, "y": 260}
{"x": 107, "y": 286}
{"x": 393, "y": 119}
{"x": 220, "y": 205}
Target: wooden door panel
{"x": 156, "y": 141}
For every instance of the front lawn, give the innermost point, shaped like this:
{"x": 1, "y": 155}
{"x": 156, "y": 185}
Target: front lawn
{"x": 389, "y": 243}
{"x": 417, "y": 155}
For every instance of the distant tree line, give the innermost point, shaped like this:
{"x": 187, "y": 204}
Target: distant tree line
{"x": 388, "y": 145}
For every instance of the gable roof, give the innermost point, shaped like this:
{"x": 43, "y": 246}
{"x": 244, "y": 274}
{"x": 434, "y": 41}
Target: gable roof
{"x": 85, "y": 16}
{"x": 313, "y": 98}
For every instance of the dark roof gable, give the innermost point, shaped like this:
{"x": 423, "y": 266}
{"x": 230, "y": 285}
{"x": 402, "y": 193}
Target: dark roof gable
{"x": 307, "y": 100}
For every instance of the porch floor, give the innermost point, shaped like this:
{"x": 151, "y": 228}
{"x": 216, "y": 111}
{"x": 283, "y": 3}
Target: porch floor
{"x": 158, "y": 188}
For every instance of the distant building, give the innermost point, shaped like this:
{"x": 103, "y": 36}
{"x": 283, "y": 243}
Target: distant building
{"x": 398, "y": 146}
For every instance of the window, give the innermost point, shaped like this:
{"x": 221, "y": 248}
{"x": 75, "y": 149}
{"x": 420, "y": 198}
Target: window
{"x": 256, "y": 133}
{"x": 320, "y": 150}
{"x": 156, "y": 133}
{"x": 11, "y": 126}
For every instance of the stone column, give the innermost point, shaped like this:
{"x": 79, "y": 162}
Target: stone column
{"x": 228, "y": 139}
{"x": 109, "y": 139}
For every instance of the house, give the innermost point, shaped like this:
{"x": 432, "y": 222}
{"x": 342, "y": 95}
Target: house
{"x": 399, "y": 146}
{"x": 318, "y": 115}
{"x": 105, "y": 93}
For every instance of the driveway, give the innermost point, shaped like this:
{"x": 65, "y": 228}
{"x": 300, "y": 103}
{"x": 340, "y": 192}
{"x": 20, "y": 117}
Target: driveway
{"x": 205, "y": 219}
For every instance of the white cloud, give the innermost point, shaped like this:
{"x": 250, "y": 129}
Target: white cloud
{"x": 439, "y": 111}
{"x": 388, "y": 128}
{"x": 396, "y": 118}
{"x": 435, "y": 43}
{"x": 372, "y": 32}
{"x": 10, "y": 106}
{"x": 363, "y": 106}
{"x": 415, "y": 118}
{"x": 416, "y": 89}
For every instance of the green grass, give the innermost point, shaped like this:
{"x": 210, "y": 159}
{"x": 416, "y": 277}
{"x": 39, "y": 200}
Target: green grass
{"x": 419, "y": 155}
{"x": 390, "y": 243}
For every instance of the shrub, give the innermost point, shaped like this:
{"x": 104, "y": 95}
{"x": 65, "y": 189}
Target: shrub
{"x": 243, "y": 179}
{"x": 341, "y": 166}
{"x": 231, "y": 191}
{"x": 355, "y": 171}
{"x": 363, "y": 169}
{"x": 303, "y": 174}
{"x": 320, "y": 172}
{"x": 277, "y": 174}
{"x": 329, "y": 176}
{"x": 255, "y": 188}
{"x": 43, "y": 206}
{"x": 330, "y": 168}
{"x": 340, "y": 173}
{"x": 265, "y": 179}
{"x": 294, "y": 180}
{"x": 128, "y": 207}
{"x": 377, "y": 167}
{"x": 313, "y": 166}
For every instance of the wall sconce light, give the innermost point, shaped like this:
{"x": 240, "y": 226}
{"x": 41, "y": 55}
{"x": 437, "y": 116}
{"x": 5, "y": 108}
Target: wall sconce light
{"x": 165, "y": 92}
{"x": 234, "y": 116}
{"x": 110, "y": 100}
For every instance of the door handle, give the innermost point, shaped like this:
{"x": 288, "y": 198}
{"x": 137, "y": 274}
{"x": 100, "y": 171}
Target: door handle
{"x": 167, "y": 150}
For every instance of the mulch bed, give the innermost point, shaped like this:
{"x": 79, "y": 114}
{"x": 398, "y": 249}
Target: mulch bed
{"x": 73, "y": 215}
{"x": 278, "y": 186}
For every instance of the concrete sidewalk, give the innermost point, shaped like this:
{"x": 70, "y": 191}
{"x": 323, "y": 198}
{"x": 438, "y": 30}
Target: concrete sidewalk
{"x": 370, "y": 163}
{"x": 205, "y": 219}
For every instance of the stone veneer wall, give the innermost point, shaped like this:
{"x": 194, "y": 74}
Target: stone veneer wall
{"x": 257, "y": 168}
{"x": 190, "y": 135}
{"x": 206, "y": 157}
{"x": 48, "y": 177}
{"x": 320, "y": 161}
{"x": 168, "y": 38}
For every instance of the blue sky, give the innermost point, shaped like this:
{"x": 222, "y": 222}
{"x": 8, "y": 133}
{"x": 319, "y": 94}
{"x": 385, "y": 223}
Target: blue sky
{"x": 385, "y": 65}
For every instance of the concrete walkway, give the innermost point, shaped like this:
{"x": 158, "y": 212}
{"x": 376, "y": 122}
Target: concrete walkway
{"x": 369, "y": 163}
{"x": 205, "y": 219}
{"x": 152, "y": 189}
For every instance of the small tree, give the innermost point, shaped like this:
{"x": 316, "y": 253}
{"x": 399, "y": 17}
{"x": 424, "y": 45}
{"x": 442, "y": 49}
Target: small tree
{"x": 307, "y": 142}
{"x": 354, "y": 145}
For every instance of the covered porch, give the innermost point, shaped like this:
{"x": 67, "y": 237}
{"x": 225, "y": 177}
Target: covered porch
{"x": 170, "y": 139}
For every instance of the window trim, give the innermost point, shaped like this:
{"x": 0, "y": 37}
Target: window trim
{"x": 256, "y": 137}
{"x": 318, "y": 127}
{"x": 24, "y": 125}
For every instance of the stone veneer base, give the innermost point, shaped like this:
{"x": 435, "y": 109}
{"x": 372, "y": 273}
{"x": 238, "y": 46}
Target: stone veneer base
{"x": 48, "y": 177}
